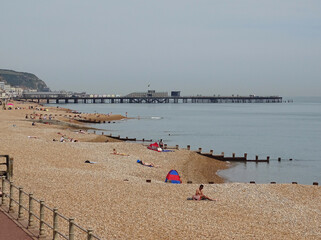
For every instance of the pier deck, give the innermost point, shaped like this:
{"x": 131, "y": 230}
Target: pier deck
{"x": 57, "y": 99}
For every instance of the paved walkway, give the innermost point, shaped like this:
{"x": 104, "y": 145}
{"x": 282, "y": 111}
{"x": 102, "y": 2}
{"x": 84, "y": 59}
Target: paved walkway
{"x": 9, "y": 230}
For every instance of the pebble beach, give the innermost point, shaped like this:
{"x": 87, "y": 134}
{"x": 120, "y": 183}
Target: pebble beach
{"x": 113, "y": 198}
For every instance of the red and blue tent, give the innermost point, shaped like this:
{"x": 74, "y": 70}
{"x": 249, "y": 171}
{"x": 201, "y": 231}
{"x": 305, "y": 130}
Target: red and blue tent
{"x": 173, "y": 177}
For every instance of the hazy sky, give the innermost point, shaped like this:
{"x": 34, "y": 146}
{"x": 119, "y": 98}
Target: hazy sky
{"x": 199, "y": 47}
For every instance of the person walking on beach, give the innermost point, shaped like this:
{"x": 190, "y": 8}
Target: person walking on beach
{"x": 200, "y": 196}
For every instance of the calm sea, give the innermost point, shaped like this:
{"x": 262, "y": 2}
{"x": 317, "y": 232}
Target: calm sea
{"x": 286, "y": 130}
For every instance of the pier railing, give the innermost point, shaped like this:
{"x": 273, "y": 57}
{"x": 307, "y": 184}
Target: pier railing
{"x": 32, "y": 209}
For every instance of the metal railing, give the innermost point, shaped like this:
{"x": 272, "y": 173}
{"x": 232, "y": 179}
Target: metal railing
{"x": 38, "y": 214}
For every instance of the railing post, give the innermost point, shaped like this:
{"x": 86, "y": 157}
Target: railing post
{"x": 30, "y": 219}
{"x": 11, "y": 196}
{"x": 20, "y": 213}
{"x": 55, "y": 224}
{"x": 3, "y": 200}
{"x": 71, "y": 229}
{"x": 41, "y": 222}
{"x": 89, "y": 234}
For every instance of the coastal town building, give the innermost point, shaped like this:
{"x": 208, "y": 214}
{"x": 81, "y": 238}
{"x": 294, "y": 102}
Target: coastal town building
{"x": 6, "y": 91}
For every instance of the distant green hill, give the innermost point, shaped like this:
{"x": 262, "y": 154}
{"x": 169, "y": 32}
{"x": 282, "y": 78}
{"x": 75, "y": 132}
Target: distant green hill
{"x": 22, "y": 79}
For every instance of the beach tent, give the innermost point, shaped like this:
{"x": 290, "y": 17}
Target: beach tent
{"x": 173, "y": 177}
{"x": 154, "y": 146}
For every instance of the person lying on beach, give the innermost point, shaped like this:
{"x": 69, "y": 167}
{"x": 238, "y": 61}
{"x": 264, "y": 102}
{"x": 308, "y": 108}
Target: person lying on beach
{"x": 200, "y": 196}
{"x": 147, "y": 164}
{"x": 117, "y": 153}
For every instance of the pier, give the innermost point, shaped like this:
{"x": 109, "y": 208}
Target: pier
{"x": 57, "y": 98}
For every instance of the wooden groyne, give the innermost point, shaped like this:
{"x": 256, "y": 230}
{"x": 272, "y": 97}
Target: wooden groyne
{"x": 233, "y": 158}
{"x": 126, "y": 138}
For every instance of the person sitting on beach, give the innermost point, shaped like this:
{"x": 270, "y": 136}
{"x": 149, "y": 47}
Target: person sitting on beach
{"x": 200, "y": 196}
{"x": 147, "y": 164}
{"x": 161, "y": 144}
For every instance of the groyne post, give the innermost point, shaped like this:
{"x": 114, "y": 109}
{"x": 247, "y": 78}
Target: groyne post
{"x": 279, "y": 159}
{"x": 256, "y": 158}
{"x": 211, "y": 152}
{"x": 233, "y": 155}
{"x": 315, "y": 183}
{"x": 188, "y": 147}
{"x": 10, "y": 168}
{"x": 200, "y": 150}
{"x": 177, "y": 147}
{"x": 268, "y": 159}
{"x": 165, "y": 146}
{"x": 245, "y": 156}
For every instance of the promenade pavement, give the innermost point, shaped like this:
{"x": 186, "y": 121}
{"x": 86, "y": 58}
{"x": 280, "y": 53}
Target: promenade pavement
{"x": 9, "y": 230}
